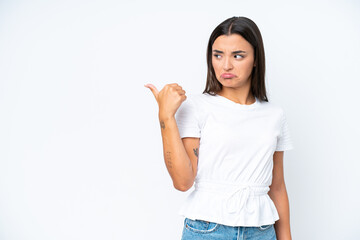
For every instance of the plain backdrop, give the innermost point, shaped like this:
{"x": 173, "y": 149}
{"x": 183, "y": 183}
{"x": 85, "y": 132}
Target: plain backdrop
{"x": 80, "y": 142}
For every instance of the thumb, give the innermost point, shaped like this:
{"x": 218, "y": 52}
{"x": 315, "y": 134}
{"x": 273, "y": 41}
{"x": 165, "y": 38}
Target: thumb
{"x": 153, "y": 89}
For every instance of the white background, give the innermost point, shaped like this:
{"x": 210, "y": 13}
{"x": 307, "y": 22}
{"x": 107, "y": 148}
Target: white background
{"x": 80, "y": 142}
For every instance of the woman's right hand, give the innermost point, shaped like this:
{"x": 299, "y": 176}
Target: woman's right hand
{"x": 169, "y": 98}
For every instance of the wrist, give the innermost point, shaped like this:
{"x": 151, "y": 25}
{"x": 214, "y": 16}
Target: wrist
{"x": 165, "y": 117}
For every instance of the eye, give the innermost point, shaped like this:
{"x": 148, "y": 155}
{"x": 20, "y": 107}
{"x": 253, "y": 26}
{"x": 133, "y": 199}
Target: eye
{"x": 239, "y": 55}
{"x": 216, "y": 55}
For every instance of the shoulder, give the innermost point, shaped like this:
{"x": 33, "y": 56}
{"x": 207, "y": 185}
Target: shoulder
{"x": 197, "y": 99}
{"x": 272, "y": 108}
{"x": 192, "y": 103}
{"x": 195, "y": 95}
{"x": 198, "y": 104}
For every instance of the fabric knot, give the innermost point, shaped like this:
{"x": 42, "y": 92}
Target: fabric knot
{"x": 240, "y": 198}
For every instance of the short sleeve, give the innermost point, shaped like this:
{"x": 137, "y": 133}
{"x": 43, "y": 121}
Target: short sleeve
{"x": 284, "y": 141}
{"x": 187, "y": 119}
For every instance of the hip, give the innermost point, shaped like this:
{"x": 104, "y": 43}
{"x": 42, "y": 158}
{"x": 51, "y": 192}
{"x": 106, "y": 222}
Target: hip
{"x": 201, "y": 229}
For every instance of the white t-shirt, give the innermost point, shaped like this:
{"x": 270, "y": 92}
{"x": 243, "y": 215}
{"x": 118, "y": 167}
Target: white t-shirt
{"x": 235, "y": 158}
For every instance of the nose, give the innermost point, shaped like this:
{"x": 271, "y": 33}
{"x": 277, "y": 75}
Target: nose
{"x": 227, "y": 64}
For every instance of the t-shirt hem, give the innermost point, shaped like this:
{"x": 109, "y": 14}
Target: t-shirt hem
{"x": 189, "y": 132}
{"x": 222, "y": 222}
{"x": 284, "y": 148}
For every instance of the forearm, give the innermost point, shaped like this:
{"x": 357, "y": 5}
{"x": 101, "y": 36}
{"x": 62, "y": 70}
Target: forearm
{"x": 281, "y": 201}
{"x": 176, "y": 159}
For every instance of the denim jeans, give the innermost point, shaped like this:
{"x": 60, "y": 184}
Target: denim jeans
{"x": 200, "y": 229}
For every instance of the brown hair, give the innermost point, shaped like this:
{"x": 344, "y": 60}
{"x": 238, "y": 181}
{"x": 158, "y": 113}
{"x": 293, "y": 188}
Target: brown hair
{"x": 251, "y": 33}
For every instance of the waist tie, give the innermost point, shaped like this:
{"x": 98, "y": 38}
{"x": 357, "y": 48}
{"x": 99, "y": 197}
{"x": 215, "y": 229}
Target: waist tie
{"x": 238, "y": 193}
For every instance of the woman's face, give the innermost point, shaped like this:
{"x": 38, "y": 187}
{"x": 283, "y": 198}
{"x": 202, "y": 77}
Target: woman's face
{"x": 232, "y": 54}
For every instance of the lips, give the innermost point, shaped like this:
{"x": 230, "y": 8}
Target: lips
{"x": 227, "y": 75}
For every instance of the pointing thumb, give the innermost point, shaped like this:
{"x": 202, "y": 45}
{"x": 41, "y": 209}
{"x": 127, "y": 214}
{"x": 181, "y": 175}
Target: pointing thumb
{"x": 153, "y": 89}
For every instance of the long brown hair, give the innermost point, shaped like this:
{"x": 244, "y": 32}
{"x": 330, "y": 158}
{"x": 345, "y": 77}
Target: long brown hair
{"x": 251, "y": 33}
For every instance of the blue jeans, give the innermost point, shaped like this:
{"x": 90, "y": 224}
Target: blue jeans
{"x": 201, "y": 230}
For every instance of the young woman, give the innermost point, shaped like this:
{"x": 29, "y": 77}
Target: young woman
{"x": 229, "y": 141}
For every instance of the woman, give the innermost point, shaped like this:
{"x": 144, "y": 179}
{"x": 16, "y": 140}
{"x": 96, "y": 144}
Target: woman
{"x": 229, "y": 141}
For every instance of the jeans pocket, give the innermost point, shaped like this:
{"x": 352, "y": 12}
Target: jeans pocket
{"x": 200, "y": 226}
{"x": 265, "y": 227}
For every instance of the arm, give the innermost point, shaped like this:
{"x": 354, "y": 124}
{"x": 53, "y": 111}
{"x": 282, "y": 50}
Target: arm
{"x": 181, "y": 163}
{"x": 279, "y": 196}
{"x": 181, "y": 168}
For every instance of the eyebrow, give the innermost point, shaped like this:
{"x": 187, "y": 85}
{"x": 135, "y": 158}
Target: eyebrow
{"x": 239, "y": 51}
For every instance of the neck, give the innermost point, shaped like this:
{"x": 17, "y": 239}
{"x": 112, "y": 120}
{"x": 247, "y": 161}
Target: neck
{"x": 245, "y": 98}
